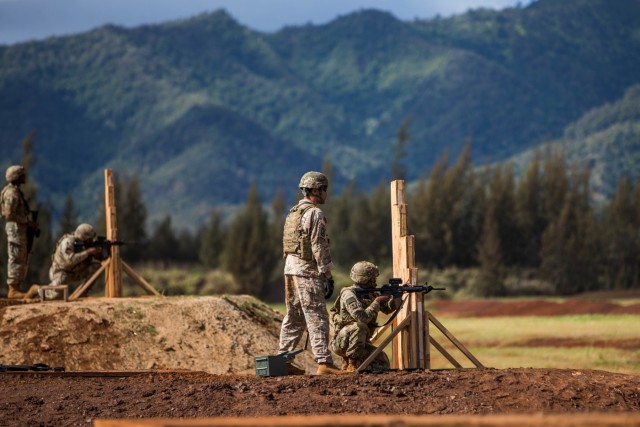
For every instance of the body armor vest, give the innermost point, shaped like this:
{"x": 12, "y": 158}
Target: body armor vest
{"x": 294, "y": 240}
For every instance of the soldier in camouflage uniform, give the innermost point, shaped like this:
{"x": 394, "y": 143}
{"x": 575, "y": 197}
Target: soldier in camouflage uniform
{"x": 15, "y": 210}
{"x": 73, "y": 261}
{"x": 354, "y": 319}
{"x": 307, "y": 272}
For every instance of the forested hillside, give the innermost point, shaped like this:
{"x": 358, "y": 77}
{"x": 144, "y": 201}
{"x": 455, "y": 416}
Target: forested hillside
{"x": 202, "y": 108}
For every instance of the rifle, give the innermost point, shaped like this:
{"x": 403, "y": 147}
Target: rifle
{"x": 32, "y": 231}
{"x": 395, "y": 289}
{"x": 101, "y": 242}
{"x": 37, "y": 367}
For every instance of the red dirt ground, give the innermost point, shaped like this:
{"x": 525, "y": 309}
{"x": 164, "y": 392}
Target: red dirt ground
{"x": 214, "y": 340}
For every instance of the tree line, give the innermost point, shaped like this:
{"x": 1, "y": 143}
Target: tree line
{"x": 496, "y": 219}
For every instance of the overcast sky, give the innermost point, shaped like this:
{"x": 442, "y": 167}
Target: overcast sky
{"x": 22, "y": 20}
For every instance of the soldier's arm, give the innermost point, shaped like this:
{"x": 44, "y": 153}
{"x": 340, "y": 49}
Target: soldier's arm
{"x": 70, "y": 257}
{"x": 320, "y": 240}
{"x": 13, "y": 201}
{"x": 357, "y": 310}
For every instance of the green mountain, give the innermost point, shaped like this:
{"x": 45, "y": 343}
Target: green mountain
{"x": 201, "y": 108}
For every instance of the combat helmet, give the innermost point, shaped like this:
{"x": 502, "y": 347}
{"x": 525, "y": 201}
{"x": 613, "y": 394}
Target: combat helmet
{"x": 15, "y": 172}
{"x": 313, "y": 180}
{"x": 84, "y": 232}
{"x": 364, "y": 272}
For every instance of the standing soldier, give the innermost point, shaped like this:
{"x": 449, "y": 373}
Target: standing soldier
{"x": 354, "y": 319}
{"x": 20, "y": 231}
{"x": 308, "y": 280}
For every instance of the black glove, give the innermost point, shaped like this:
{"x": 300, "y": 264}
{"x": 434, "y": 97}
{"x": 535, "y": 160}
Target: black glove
{"x": 328, "y": 288}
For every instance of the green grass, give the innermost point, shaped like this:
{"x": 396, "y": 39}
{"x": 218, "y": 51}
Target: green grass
{"x": 507, "y": 342}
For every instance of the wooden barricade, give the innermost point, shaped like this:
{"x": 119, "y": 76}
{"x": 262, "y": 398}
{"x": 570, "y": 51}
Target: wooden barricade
{"x": 114, "y": 265}
{"x": 410, "y": 337}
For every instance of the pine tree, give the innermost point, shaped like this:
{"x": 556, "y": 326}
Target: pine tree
{"x": 428, "y": 214}
{"x": 163, "y": 243}
{"x": 68, "y": 218}
{"x": 249, "y": 254}
{"x": 132, "y": 220}
{"x": 212, "y": 244}
{"x": 530, "y": 214}
{"x": 398, "y": 168}
{"x": 490, "y": 282}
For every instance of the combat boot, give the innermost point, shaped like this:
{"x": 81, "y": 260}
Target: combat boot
{"x": 15, "y": 293}
{"x": 294, "y": 370}
{"x": 329, "y": 369}
{"x": 32, "y": 292}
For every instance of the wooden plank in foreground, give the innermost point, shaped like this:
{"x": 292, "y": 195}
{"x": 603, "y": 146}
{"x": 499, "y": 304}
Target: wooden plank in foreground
{"x": 568, "y": 420}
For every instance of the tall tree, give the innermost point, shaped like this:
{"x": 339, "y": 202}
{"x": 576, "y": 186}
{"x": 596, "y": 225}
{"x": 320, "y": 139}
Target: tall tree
{"x": 530, "y": 213}
{"x": 490, "y": 282}
{"x": 68, "y": 218}
{"x": 249, "y": 254}
{"x": 132, "y": 220}
{"x": 398, "y": 168}
{"x": 163, "y": 243}
{"x": 212, "y": 244}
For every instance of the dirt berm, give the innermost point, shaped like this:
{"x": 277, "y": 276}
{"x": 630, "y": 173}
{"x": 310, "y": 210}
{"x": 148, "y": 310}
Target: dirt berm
{"x": 212, "y": 342}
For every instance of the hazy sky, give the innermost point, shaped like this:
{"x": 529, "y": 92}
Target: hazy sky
{"x": 22, "y": 20}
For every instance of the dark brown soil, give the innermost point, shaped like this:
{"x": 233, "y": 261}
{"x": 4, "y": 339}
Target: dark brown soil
{"x": 57, "y": 400}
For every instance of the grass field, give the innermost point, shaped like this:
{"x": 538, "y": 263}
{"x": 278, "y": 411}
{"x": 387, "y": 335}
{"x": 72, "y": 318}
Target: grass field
{"x": 605, "y": 342}
{"x": 610, "y": 343}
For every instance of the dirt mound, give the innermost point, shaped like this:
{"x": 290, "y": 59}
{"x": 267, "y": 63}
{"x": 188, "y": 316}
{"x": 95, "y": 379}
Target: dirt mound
{"x": 218, "y": 335}
{"x": 210, "y": 344}
{"x": 490, "y": 308}
{"x": 57, "y": 400}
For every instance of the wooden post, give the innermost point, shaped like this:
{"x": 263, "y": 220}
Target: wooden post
{"x": 408, "y": 349}
{"x": 113, "y": 287}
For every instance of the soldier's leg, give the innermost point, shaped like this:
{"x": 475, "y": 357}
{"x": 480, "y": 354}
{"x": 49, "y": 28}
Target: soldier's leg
{"x": 17, "y": 259}
{"x": 311, "y": 293}
{"x": 293, "y": 324}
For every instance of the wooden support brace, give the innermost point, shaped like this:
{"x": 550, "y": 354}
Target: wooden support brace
{"x": 383, "y": 344}
{"x": 87, "y": 284}
{"x": 139, "y": 279}
{"x": 455, "y": 341}
{"x": 445, "y": 353}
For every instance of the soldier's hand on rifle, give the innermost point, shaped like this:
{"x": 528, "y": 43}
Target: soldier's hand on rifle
{"x": 96, "y": 250}
{"x": 382, "y": 299}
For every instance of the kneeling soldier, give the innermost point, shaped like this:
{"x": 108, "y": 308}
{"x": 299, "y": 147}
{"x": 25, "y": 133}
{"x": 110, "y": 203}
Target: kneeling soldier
{"x": 354, "y": 319}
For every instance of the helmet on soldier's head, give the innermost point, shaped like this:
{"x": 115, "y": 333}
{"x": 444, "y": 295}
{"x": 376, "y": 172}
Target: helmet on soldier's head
{"x": 363, "y": 273}
{"x": 84, "y": 232}
{"x": 313, "y": 180}
{"x": 15, "y": 172}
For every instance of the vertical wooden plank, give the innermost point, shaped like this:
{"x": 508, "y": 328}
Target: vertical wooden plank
{"x": 408, "y": 347}
{"x": 427, "y": 347}
{"x": 113, "y": 287}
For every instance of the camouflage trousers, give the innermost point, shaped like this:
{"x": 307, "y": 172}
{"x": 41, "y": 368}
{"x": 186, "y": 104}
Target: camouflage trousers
{"x": 306, "y": 309}
{"x": 61, "y": 277}
{"x": 18, "y": 258}
{"x": 352, "y": 341}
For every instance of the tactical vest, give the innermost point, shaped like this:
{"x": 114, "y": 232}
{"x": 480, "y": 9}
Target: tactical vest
{"x": 294, "y": 240}
{"x": 61, "y": 263}
{"x": 5, "y": 209}
{"x": 5, "y": 206}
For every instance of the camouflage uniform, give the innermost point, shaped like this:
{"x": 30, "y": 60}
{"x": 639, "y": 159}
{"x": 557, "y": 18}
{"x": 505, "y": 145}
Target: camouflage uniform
{"x": 354, "y": 321}
{"x": 69, "y": 267}
{"x": 304, "y": 287}
{"x": 16, "y": 211}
